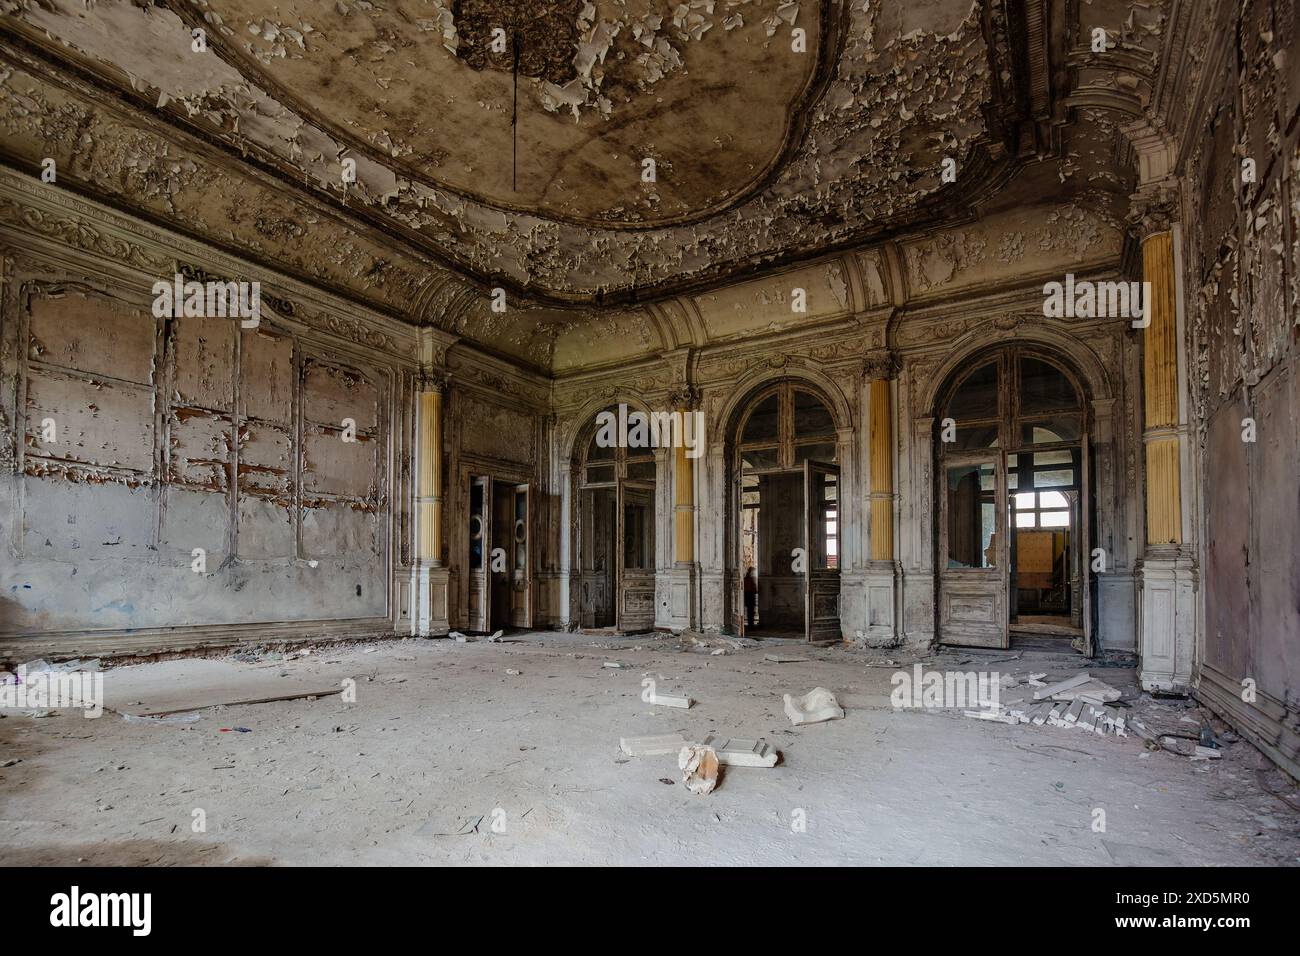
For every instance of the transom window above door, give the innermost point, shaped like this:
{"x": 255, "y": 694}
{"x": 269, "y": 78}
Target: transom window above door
{"x": 783, "y": 427}
{"x": 1014, "y": 399}
{"x": 606, "y": 464}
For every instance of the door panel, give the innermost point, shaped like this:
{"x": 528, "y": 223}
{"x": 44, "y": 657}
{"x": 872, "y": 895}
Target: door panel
{"x": 480, "y": 534}
{"x": 636, "y": 528}
{"x": 598, "y": 557}
{"x": 973, "y": 553}
{"x": 821, "y": 548}
{"x": 1083, "y": 548}
{"x": 521, "y": 574}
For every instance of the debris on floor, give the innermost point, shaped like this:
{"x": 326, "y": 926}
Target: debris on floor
{"x": 817, "y": 705}
{"x": 699, "y": 765}
{"x": 785, "y": 659}
{"x": 739, "y": 752}
{"x": 656, "y": 745}
{"x": 671, "y": 700}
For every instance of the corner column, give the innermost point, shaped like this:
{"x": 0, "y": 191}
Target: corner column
{"x": 879, "y": 370}
{"x": 1167, "y": 573}
{"x": 429, "y": 576}
{"x": 685, "y": 575}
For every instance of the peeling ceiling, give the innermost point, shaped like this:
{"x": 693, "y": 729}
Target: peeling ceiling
{"x": 778, "y": 129}
{"x": 503, "y": 143}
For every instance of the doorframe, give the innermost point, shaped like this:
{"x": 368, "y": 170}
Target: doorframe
{"x": 495, "y": 474}
{"x": 1007, "y": 356}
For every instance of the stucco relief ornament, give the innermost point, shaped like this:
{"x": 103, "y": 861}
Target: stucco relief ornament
{"x": 879, "y": 364}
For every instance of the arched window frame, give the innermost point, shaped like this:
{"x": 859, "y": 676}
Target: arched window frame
{"x": 789, "y": 441}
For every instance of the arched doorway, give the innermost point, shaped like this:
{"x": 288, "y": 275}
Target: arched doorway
{"x": 785, "y": 482}
{"x": 1012, "y": 474}
{"x": 616, "y": 520}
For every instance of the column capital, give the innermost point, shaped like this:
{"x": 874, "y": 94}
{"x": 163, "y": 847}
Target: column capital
{"x": 880, "y": 364}
{"x": 684, "y": 397}
{"x": 1153, "y": 209}
{"x": 434, "y": 380}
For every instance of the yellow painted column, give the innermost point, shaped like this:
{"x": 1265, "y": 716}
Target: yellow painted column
{"x": 1160, "y": 393}
{"x": 880, "y": 452}
{"x": 428, "y": 500}
{"x": 684, "y": 498}
{"x": 880, "y": 368}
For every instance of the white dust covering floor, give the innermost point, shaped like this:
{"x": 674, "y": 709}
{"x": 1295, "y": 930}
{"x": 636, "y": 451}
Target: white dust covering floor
{"x": 445, "y": 758}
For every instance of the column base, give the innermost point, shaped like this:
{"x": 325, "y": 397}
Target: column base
{"x": 683, "y": 603}
{"x": 429, "y": 591}
{"x": 880, "y": 600}
{"x": 1166, "y": 595}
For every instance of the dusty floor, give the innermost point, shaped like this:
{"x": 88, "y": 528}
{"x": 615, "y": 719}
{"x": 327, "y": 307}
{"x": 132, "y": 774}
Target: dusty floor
{"x": 441, "y": 737}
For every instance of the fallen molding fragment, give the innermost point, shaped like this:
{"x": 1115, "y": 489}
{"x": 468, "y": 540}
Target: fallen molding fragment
{"x": 671, "y": 700}
{"x": 1051, "y": 690}
{"x": 741, "y": 752}
{"x": 992, "y": 715}
{"x": 785, "y": 659}
{"x": 656, "y": 745}
{"x": 309, "y": 694}
{"x": 817, "y": 705}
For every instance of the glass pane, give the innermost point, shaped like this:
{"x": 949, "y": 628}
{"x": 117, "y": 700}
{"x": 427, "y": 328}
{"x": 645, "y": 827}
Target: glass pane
{"x": 1013, "y": 476}
{"x": 824, "y": 521}
{"x": 641, "y": 470}
{"x": 762, "y": 423}
{"x": 1056, "y": 519}
{"x": 638, "y": 530}
{"x": 1054, "y": 479}
{"x": 1043, "y": 388}
{"x": 1053, "y": 499}
{"x": 972, "y": 542}
{"x": 603, "y": 473}
{"x": 824, "y": 452}
{"x": 1061, "y": 428}
{"x": 1025, "y": 500}
{"x": 754, "y": 459}
{"x": 1063, "y": 456}
{"x": 976, "y": 436}
{"x": 598, "y": 452}
{"x": 1025, "y": 519}
{"x": 811, "y": 417}
{"x": 978, "y": 395}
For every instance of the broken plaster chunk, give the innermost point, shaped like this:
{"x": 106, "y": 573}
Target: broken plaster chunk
{"x": 817, "y": 705}
{"x": 699, "y": 766}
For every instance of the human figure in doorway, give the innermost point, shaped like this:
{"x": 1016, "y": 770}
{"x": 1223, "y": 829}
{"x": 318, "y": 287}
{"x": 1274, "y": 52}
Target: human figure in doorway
{"x": 751, "y": 596}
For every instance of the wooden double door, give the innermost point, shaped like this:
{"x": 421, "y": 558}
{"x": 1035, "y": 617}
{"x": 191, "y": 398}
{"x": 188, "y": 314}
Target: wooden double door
{"x": 500, "y": 557}
{"x": 617, "y": 556}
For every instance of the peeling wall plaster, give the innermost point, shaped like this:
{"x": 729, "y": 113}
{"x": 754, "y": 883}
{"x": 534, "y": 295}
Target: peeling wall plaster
{"x": 179, "y": 434}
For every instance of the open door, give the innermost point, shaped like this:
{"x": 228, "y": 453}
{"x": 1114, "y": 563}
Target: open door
{"x": 636, "y": 534}
{"x": 1084, "y": 549}
{"x": 599, "y": 556}
{"x": 973, "y": 552}
{"x": 821, "y": 484}
{"x": 519, "y": 577}
{"x": 480, "y": 537}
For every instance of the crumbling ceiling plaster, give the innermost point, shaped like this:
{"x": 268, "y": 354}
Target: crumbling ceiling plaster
{"x": 749, "y": 169}
{"x": 852, "y": 140}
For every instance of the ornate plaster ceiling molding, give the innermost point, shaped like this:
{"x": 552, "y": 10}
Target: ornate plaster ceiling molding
{"x": 845, "y": 145}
